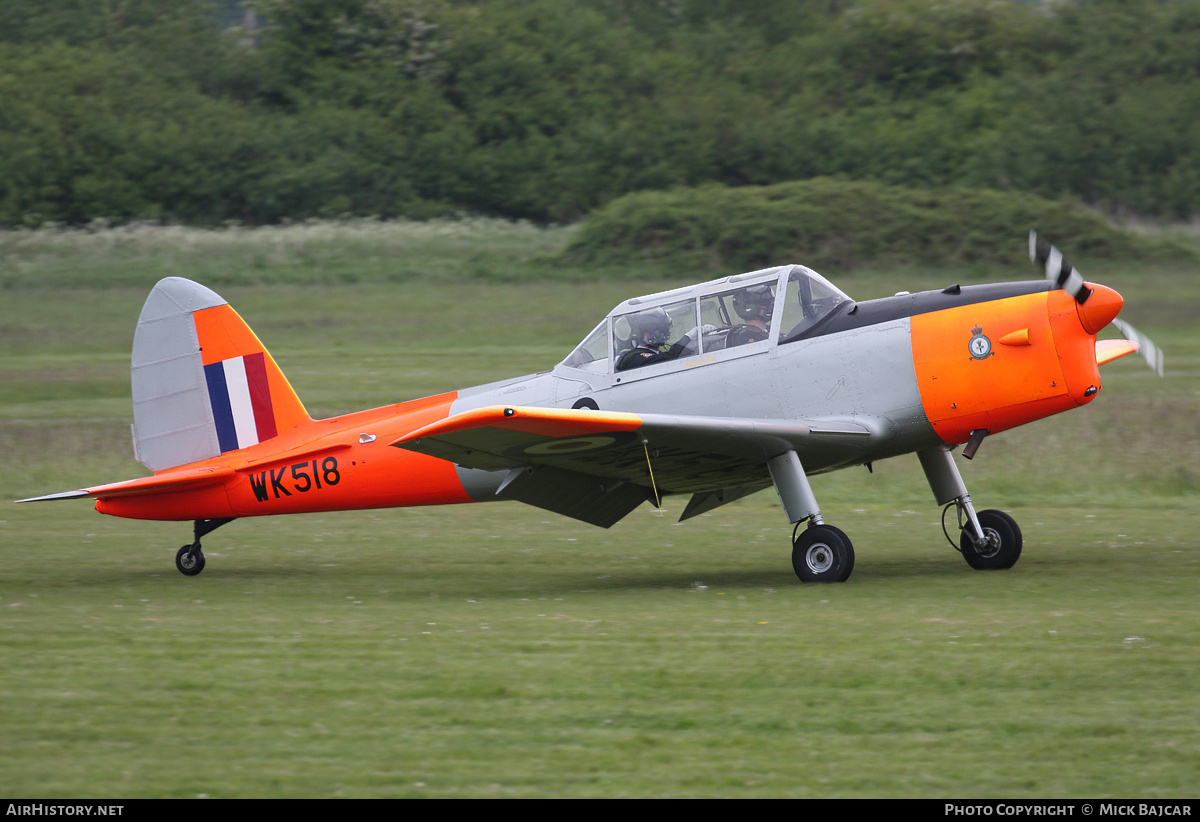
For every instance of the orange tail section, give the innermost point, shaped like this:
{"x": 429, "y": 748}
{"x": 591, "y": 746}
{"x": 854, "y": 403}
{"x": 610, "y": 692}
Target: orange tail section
{"x": 226, "y": 436}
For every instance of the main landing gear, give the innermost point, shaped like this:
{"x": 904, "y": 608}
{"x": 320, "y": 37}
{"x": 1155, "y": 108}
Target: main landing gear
{"x": 989, "y": 540}
{"x": 820, "y": 553}
{"x": 190, "y": 559}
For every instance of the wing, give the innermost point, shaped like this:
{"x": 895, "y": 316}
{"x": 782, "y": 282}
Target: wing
{"x": 598, "y": 466}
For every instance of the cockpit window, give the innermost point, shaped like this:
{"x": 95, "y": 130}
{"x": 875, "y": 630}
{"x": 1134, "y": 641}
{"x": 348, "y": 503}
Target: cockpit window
{"x": 657, "y": 334}
{"x": 592, "y": 353}
{"x": 810, "y": 298}
{"x": 739, "y": 316}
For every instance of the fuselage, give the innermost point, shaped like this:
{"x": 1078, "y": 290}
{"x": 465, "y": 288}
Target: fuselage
{"x": 918, "y": 371}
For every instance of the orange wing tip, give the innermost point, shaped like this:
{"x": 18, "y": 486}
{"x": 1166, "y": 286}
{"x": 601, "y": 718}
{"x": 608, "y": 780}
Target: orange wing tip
{"x": 546, "y": 422}
{"x": 1109, "y": 350}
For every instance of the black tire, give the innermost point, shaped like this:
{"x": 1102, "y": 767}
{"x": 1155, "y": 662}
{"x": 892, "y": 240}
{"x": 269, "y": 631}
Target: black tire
{"x": 189, "y": 562}
{"x": 1003, "y": 548}
{"x": 822, "y": 553}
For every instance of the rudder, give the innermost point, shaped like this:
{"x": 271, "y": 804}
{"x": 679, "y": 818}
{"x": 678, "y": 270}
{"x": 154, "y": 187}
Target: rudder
{"x": 203, "y": 383}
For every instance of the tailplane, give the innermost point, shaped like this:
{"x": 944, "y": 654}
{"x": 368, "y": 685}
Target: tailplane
{"x": 203, "y": 384}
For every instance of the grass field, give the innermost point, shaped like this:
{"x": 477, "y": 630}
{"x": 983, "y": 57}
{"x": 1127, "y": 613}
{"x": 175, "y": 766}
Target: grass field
{"x": 497, "y": 650}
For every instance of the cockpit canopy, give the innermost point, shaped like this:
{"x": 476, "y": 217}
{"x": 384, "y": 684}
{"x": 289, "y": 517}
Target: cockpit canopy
{"x": 739, "y": 314}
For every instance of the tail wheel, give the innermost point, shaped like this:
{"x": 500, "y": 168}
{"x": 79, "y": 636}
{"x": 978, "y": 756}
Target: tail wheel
{"x": 822, "y": 553}
{"x": 1001, "y": 547}
{"x": 189, "y": 560}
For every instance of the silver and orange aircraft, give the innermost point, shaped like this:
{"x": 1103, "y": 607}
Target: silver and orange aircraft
{"x": 716, "y": 390}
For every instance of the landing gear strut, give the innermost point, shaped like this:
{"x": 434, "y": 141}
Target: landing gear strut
{"x": 821, "y": 553}
{"x": 989, "y": 540}
{"x": 190, "y": 559}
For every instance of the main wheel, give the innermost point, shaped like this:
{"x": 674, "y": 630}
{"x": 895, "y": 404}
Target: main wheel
{"x": 1002, "y": 546}
{"x": 189, "y": 561}
{"x": 822, "y": 553}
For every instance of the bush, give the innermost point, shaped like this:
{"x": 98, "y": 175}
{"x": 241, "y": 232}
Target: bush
{"x": 832, "y": 223}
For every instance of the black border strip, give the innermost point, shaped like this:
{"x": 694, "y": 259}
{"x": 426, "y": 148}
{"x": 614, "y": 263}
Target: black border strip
{"x": 850, "y": 315}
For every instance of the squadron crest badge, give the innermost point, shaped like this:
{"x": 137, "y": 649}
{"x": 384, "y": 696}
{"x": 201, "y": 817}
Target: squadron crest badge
{"x": 979, "y": 346}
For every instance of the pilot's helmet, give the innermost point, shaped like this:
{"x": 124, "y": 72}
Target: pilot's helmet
{"x": 754, "y": 303}
{"x": 653, "y": 322}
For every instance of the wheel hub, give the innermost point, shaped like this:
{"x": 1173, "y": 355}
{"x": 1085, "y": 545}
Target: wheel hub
{"x": 990, "y": 546}
{"x": 819, "y": 558}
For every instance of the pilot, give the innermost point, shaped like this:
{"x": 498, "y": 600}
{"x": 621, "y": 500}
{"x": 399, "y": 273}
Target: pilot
{"x": 651, "y": 330}
{"x": 754, "y": 305}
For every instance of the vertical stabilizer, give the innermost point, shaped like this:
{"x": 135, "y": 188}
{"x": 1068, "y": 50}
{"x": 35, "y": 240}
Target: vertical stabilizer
{"x": 203, "y": 383}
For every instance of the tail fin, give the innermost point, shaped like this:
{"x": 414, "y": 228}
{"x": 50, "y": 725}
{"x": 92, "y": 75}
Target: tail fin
{"x": 203, "y": 383}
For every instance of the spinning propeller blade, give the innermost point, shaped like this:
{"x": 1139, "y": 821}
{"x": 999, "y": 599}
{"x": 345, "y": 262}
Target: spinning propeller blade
{"x": 1150, "y": 352}
{"x": 1063, "y": 275}
{"x": 1058, "y": 270}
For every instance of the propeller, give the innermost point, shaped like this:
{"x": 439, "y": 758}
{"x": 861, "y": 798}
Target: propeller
{"x": 1104, "y": 305}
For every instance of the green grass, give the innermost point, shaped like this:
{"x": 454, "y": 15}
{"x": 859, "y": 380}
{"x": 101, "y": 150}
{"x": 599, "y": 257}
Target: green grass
{"x": 497, "y": 650}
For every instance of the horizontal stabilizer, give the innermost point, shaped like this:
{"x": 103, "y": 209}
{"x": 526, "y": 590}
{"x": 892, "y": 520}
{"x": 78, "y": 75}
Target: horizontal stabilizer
{"x": 168, "y": 481}
{"x": 61, "y": 495}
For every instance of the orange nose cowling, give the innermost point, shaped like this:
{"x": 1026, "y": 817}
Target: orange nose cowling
{"x": 1100, "y": 308}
